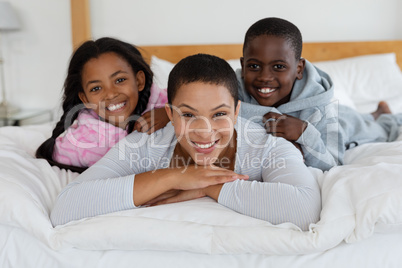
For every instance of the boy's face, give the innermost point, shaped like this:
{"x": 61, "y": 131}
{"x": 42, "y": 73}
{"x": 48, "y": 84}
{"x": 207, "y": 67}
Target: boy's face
{"x": 203, "y": 116}
{"x": 269, "y": 70}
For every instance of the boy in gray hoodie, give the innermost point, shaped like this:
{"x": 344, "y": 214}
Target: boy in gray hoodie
{"x": 293, "y": 99}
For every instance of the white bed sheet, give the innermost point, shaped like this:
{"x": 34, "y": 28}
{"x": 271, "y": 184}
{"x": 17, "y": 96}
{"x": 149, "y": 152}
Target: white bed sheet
{"x": 20, "y": 249}
{"x": 359, "y": 199}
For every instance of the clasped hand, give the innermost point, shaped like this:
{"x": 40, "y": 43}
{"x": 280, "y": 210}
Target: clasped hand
{"x": 193, "y": 182}
{"x": 285, "y": 126}
{"x": 152, "y": 121}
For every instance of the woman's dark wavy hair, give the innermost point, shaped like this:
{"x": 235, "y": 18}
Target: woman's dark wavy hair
{"x": 72, "y": 87}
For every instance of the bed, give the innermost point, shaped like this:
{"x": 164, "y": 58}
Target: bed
{"x": 361, "y": 218}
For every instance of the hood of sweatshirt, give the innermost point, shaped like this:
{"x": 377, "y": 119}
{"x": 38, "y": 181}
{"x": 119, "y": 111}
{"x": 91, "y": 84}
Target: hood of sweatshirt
{"x": 314, "y": 89}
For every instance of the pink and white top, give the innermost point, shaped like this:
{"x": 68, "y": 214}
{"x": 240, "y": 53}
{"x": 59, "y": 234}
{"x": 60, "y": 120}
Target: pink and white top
{"x": 89, "y": 138}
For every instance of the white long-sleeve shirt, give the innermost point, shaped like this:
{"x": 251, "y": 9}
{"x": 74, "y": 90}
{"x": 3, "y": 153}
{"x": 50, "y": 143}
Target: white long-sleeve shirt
{"x": 280, "y": 187}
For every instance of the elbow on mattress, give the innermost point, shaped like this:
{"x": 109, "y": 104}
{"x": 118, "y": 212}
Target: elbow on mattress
{"x": 310, "y": 210}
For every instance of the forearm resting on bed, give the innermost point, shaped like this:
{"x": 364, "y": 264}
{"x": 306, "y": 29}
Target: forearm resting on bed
{"x": 91, "y": 197}
{"x": 273, "y": 202}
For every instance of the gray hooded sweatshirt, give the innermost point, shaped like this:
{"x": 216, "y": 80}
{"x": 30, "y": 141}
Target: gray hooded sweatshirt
{"x": 331, "y": 128}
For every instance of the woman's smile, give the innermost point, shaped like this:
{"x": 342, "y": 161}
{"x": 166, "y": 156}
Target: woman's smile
{"x": 203, "y": 116}
{"x": 205, "y": 147}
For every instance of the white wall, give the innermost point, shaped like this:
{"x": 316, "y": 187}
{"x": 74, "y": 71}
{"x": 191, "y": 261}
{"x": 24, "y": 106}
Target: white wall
{"x": 399, "y": 19}
{"x": 36, "y": 57}
{"x": 155, "y": 22}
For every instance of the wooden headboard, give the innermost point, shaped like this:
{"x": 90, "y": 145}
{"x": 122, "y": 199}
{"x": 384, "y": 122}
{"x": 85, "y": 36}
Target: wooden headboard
{"x": 312, "y": 51}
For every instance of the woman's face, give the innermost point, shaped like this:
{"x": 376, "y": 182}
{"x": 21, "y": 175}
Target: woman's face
{"x": 203, "y": 116}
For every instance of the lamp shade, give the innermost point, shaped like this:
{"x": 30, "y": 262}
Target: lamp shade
{"x": 8, "y": 18}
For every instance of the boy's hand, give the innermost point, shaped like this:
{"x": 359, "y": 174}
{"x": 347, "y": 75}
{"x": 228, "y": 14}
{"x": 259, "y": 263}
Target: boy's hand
{"x": 152, "y": 121}
{"x": 285, "y": 126}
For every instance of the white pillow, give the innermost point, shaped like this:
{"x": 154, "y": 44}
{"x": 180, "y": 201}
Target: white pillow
{"x": 367, "y": 79}
{"x": 161, "y": 69}
{"x": 343, "y": 98}
{"x": 235, "y": 64}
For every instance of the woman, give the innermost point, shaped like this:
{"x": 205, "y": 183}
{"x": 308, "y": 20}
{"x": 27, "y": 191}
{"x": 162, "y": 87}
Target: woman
{"x": 206, "y": 150}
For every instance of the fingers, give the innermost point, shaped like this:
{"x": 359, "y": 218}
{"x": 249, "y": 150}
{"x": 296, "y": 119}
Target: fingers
{"x": 272, "y": 117}
{"x": 215, "y": 171}
{"x": 224, "y": 179}
{"x": 275, "y": 124}
{"x": 137, "y": 126}
{"x": 151, "y": 130}
{"x": 163, "y": 196}
{"x": 154, "y": 128}
{"x": 214, "y": 177}
{"x": 182, "y": 196}
{"x": 170, "y": 200}
{"x": 221, "y": 172}
{"x": 195, "y": 177}
{"x": 149, "y": 124}
{"x": 274, "y": 128}
{"x": 218, "y": 179}
{"x": 142, "y": 125}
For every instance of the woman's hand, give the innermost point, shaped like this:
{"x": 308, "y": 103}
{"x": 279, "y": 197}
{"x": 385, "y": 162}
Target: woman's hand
{"x": 164, "y": 196}
{"x": 152, "y": 121}
{"x": 180, "y": 195}
{"x": 194, "y": 177}
{"x": 152, "y": 184}
{"x": 285, "y": 126}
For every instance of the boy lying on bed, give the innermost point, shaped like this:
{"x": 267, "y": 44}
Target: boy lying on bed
{"x": 274, "y": 75}
{"x": 202, "y": 152}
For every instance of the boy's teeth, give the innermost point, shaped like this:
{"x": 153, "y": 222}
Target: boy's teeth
{"x": 113, "y": 107}
{"x": 205, "y": 146}
{"x": 266, "y": 90}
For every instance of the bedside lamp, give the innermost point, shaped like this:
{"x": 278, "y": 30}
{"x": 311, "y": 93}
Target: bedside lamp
{"x": 8, "y": 22}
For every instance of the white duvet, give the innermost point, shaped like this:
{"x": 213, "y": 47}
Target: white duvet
{"x": 359, "y": 198}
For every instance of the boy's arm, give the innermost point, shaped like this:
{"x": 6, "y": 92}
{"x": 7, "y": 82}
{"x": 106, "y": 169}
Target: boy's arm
{"x": 323, "y": 141}
{"x": 320, "y": 135}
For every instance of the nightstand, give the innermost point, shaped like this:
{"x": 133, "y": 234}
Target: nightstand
{"x": 30, "y": 116}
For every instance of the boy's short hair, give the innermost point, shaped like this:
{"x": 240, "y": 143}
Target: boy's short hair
{"x": 202, "y": 68}
{"x": 276, "y": 27}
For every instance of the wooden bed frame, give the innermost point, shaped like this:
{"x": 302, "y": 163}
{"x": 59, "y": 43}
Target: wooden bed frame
{"x": 81, "y": 31}
{"x": 311, "y": 51}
